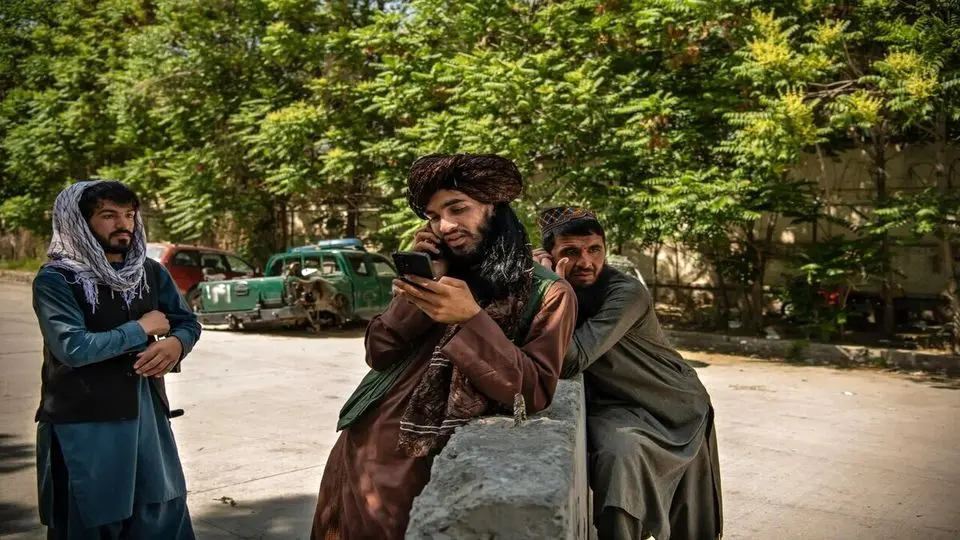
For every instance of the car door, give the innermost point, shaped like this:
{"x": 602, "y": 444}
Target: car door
{"x": 386, "y": 273}
{"x": 366, "y": 287}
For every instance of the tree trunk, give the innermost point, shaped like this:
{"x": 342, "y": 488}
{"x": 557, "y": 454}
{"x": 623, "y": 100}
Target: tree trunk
{"x": 762, "y": 253}
{"x": 880, "y": 179}
{"x": 754, "y": 293}
{"x": 723, "y": 318}
{"x": 263, "y": 241}
{"x": 352, "y": 221}
{"x": 656, "y": 269}
{"x": 944, "y": 187}
{"x": 676, "y": 270}
{"x": 353, "y": 207}
{"x": 756, "y": 305}
{"x": 283, "y": 221}
{"x": 724, "y": 303}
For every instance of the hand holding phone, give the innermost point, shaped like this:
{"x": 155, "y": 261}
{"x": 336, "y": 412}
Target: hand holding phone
{"x": 413, "y": 263}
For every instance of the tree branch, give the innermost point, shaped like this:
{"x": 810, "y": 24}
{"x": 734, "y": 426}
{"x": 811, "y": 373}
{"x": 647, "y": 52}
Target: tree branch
{"x": 833, "y": 91}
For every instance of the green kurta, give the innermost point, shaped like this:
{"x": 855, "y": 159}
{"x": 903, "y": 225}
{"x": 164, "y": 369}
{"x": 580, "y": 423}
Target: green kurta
{"x": 652, "y": 445}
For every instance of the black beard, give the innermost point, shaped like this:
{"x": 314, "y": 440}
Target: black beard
{"x": 590, "y": 298}
{"x": 499, "y": 266}
{"x": 466, "y": 266}
{"x": 111, "y": 249}
{"x": 465, "y": 262}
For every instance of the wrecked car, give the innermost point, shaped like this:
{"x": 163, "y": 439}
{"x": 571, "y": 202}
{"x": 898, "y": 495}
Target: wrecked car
{"x": 314, "y": 288}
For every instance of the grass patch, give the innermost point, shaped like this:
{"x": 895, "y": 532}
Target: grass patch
{"x": 24, "y": 265}
{"x": 798, "y": 351}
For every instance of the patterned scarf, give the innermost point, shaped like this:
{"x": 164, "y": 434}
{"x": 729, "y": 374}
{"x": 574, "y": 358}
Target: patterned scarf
{"x": 75, "y": 248}
{"x": 444, "y": 399}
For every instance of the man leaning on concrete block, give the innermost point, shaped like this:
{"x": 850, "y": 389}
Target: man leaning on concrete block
{"x": 652, "y": 445}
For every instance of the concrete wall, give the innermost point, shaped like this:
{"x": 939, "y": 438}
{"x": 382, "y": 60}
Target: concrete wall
{"x": 845, "y": 185}
{"x": 495, "y": 480}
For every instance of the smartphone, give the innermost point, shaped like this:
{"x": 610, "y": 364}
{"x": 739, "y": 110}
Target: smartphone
{"x": 413, "y": 263}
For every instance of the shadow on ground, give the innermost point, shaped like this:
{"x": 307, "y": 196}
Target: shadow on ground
{"x": 941, "y": 382}
{"x": 15, "y": 455}
{"x": 280, "y": 518}
{"x": 17, "y": 518}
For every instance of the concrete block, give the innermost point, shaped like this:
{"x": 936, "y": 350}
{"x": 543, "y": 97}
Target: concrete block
{"x": 495, "y": 480}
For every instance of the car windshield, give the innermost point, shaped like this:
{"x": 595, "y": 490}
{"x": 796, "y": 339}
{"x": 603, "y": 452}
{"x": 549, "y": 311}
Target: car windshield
{"x": 154, "y": 252}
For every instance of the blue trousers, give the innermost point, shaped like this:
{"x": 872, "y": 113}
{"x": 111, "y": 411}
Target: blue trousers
{"x": 163, "y": 521}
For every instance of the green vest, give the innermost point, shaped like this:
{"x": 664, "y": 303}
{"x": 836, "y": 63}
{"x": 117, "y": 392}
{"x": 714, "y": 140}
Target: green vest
{"x": 376, "y": 384}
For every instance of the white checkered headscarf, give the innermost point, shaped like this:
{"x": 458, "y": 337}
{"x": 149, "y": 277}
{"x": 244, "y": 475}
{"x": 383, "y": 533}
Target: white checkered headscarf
{"x": 74, "y": 247}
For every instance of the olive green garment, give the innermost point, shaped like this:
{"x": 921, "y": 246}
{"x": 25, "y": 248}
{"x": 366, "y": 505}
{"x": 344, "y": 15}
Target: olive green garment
{"x": 650, "y": 431}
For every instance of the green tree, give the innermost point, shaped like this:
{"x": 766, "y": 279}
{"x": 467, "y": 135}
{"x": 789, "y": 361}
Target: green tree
{"x": 52, "y": 118}
{"x": 900, "y": 88}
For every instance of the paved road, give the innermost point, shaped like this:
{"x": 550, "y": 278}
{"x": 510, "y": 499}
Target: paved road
{"x": 811, "y": 453}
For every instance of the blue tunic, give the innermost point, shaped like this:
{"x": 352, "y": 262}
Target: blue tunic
{"x": 114, "y": 468}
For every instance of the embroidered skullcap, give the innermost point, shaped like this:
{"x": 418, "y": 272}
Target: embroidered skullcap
{"x": 488, "y": 178}
{"x": 551, "y": 219}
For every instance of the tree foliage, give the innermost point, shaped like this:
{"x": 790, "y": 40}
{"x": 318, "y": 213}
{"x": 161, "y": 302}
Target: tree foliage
{"x": 677, "y": 120}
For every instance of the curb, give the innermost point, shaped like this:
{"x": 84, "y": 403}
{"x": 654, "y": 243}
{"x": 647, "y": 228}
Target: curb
{"x": 16, "y": 276}
{"x": 817, "y": 353}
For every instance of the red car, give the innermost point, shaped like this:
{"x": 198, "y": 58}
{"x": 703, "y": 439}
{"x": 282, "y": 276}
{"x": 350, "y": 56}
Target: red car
{"x": 189, "y": 265}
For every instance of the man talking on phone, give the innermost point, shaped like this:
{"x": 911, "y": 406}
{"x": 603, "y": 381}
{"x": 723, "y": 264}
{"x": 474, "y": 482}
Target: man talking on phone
{"x": 487, "y": 335}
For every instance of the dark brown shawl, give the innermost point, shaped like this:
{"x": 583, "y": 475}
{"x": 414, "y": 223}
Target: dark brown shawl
{"x": 444, "y": 399}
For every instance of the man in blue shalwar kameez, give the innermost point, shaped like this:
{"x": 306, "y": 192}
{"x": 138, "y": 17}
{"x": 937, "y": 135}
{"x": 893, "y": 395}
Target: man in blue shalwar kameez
{"x": 113, "y": 325}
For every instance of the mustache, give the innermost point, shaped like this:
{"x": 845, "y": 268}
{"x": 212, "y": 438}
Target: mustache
{"x": 461, "y": 232}
{"x": 121, "y": 231}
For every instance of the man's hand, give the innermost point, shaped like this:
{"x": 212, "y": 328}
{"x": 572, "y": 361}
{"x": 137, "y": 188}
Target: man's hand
{"x": 159, "y": 357}
{"x": 427, "y": 242}
{"x": 447, "y": 301}
{"x": 541, "y": 257}
{"x": 155, "y": 323}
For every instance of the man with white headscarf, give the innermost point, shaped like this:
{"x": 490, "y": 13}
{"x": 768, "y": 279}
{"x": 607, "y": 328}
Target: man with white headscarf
{"x": 113, "y": 325}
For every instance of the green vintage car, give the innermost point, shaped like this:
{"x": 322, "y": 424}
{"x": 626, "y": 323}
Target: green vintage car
{"x": 314, "y": 287}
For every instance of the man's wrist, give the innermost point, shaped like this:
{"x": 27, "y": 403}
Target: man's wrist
{"x": 180, "y": 343}
{"x": 471, "y": 314}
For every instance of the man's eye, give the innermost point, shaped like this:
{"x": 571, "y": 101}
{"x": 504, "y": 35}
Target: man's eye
{"x": 458, "y": 210}
{"x": 595, "y": 249}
